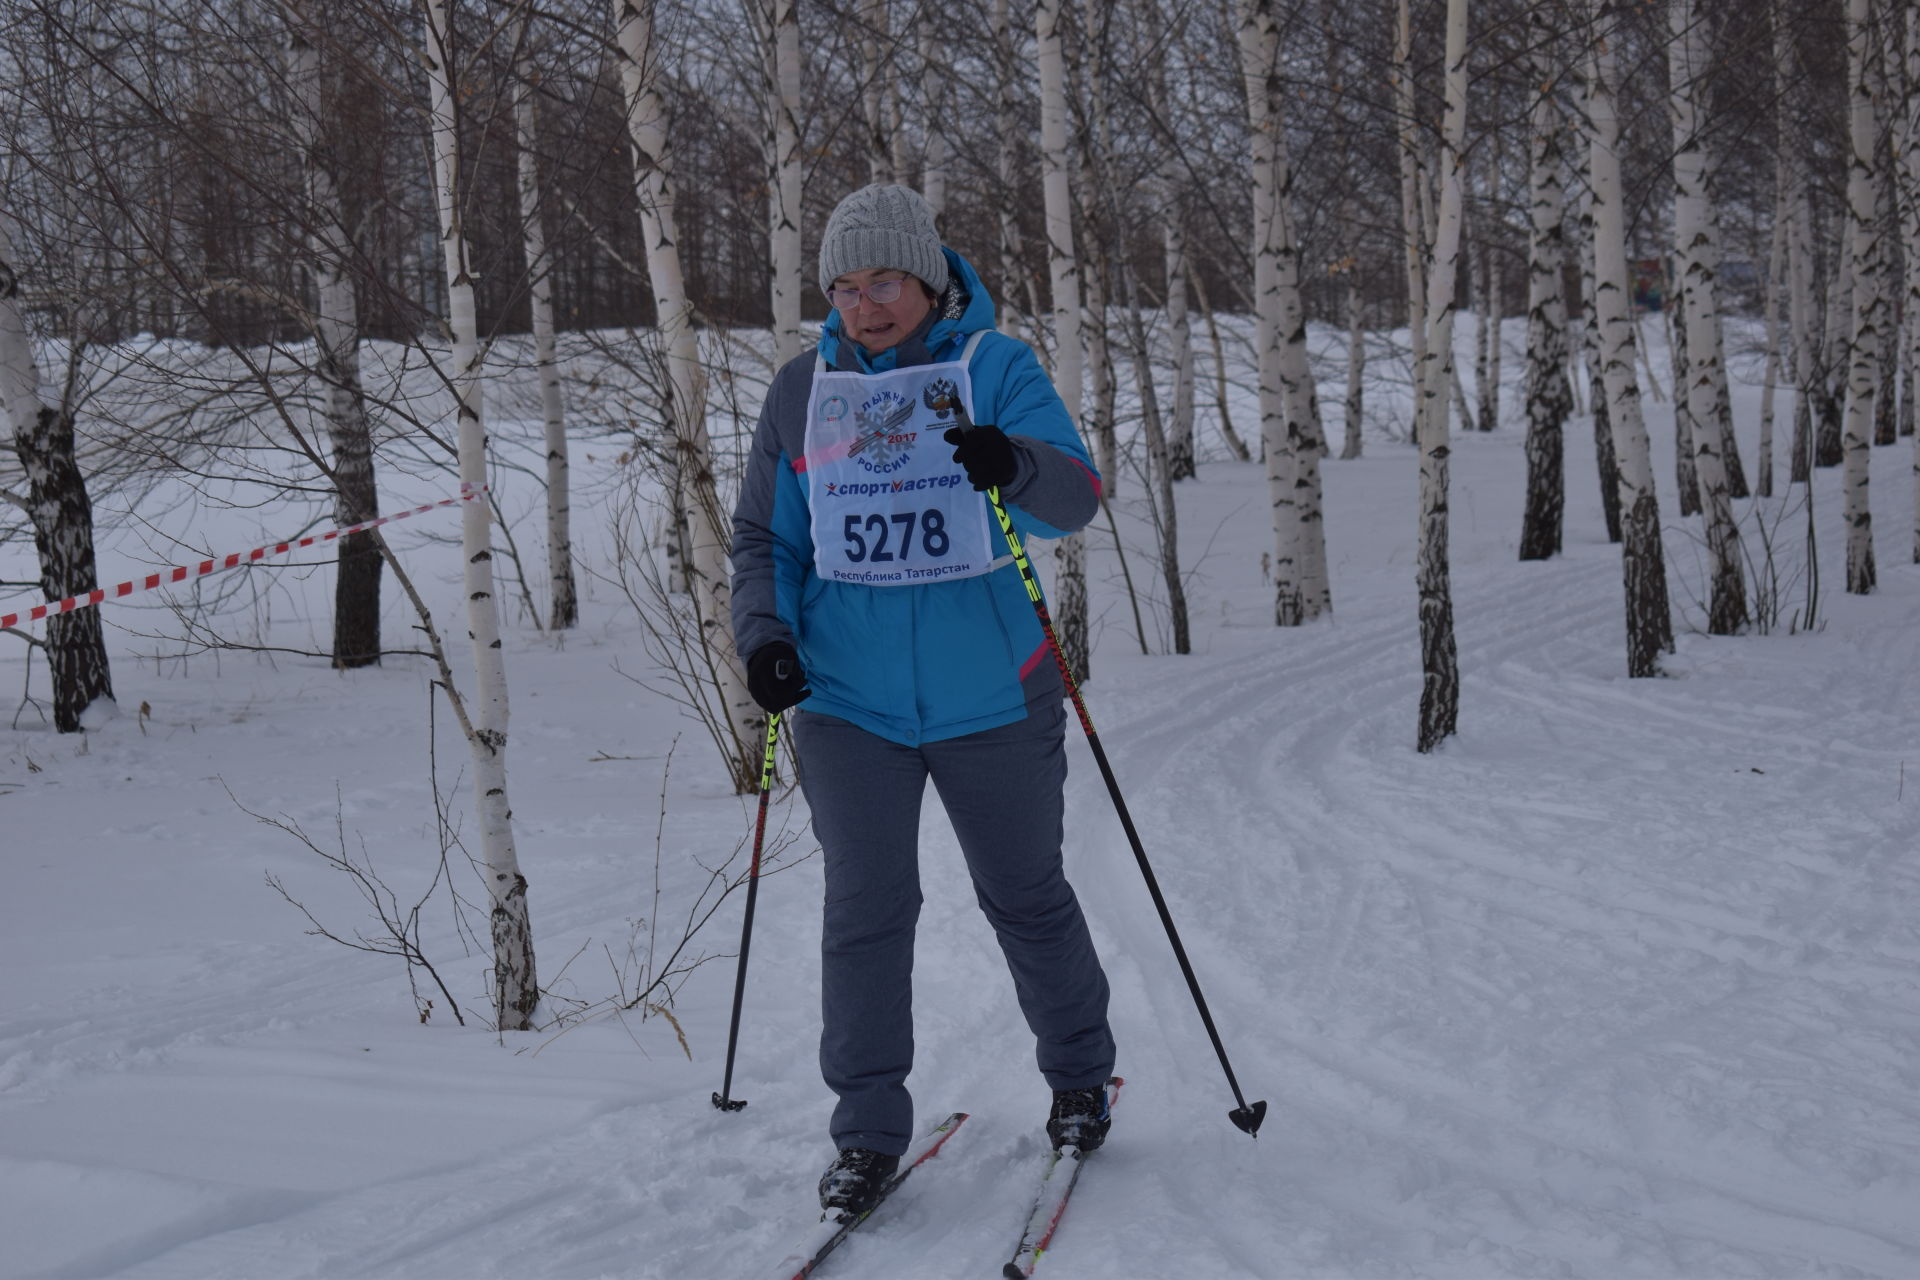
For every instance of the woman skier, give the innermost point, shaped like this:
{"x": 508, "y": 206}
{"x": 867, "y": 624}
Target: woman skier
{"x": 871, "y": 580}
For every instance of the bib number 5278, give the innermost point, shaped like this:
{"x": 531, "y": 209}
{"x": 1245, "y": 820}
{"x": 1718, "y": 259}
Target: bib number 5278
{"x": 876, "y": 538}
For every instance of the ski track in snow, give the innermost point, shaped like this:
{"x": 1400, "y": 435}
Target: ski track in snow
{"x": 1621, "y": 982}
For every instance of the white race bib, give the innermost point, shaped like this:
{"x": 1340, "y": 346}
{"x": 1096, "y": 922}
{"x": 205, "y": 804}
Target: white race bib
{"x": 890, "y": 507}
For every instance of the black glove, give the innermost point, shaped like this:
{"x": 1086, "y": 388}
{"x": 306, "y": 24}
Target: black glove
{"x": 775, "y": 677}
{"x": 986, "y": 453}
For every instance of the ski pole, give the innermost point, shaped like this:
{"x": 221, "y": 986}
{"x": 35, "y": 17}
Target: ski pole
{"x": 724, "y": 1100}
{"x": 1246, "y": 1118}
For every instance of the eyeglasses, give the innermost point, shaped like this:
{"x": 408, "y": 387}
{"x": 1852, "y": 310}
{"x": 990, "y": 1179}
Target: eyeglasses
{"x": 880, "y": 292}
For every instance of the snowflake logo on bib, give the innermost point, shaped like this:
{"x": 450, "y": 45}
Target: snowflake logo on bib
{"x": 883, "y": 442}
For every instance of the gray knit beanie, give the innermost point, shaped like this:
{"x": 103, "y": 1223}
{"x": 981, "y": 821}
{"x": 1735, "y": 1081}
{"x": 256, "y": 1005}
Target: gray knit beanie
{"x": 883, "y": 226}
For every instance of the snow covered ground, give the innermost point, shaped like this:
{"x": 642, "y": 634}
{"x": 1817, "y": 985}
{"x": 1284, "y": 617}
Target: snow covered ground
{"x": 1622, "y": 982}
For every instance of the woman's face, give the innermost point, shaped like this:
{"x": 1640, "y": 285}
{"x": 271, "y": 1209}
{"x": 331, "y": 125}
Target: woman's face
{"x": 880, "y": 326}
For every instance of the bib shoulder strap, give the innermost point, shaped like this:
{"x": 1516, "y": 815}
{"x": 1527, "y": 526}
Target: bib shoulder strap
{"x": 966, "y": 352}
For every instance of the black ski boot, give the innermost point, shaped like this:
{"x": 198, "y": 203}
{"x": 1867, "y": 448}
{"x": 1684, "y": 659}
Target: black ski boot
{"x": 852, "y": 1183}
{"x": 1080, "y": 1118}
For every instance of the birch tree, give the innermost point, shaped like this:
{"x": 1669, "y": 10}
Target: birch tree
{"x": 1173, "y": 184}
{"x": 563, "y": 608}
{"x": 1347, "y": 263}
{"x": 1217, "y": 348}
{"x": 1063, "y": 267}
{"x": 1797, "y": 208}
{"x": 880, "y": 98}
{"x": 1770, "y": 377}
{"x": 1486, "y": 364}
{"x": 57, "y": 505}
{"x": 1869, "y": 311}
{"x": 696, "y": 493}
{"x": 1014, "y": 276}
{"x": 1882, "y": 63}
{"x": 1413, "y": 182}
{"x": 516, "y": 984}
{"x": 1606, "y": 465}
{"x": 933, "y": 84}
{"x": 1829, "y": 435}
{"x": 1287, "y": 416}
{"x": 336, "y": 331}
{"x": 1643, "y": 560}
{"x": 1910, "y": 225}
{"x": 778, "y": 22}
{"x": 1439, "y": 661}
{"x": 1699, "y": 311}
{"x": 1548, "y": 393}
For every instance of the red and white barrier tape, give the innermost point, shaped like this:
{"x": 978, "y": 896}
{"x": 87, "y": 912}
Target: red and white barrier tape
{"x": 180, "y": 573}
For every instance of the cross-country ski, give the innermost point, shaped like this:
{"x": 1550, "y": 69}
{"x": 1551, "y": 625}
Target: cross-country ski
{"x": 836, "y": 1225}
{"x": 1063, "y": 1166}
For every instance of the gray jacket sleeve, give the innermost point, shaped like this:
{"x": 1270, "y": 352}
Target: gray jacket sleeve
{"x": 771, "y": 542}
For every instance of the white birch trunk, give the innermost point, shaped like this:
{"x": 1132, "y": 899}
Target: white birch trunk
{"x": 1439, "y": 659}
{"x": 564, "y": 604}
{"x": 1173, "y": 244}
{"x": 877, "y": 92}
{"x": 933, "y": 85}
{"x": 1770, "y": 378}
{"x": 1069, "y": 554}
{"x": 1496, "y": 314}
{"x": 1686, "y": 483}
{"x": 1692, "y": 221}
{"x": 1180, "y": 449}
{"x": 1802, "y": 343}
{"x": 1486, "y": 395}
{"x": 1910, "y": 225}
{"x": 1796, "y": 208}
{"x": 1880, "y": 58}
{"x": 1287, "y": 415}
{"x": 516, "y": 986}
{"x": 1863, "y": 227}
{"x": 1354, "y": 402}
{"x": 1160, "y": 470}
{"x": 1412, "y": 179}
{"x": 1829, "y": 448}
{"x": 1220, "y": 398}
{"x": 1547, "y": 390}
{"x": 1102, "y": 391}
{"x": 1643, "y": 560}
{"x": 709, "y": 581}
{"x": 1339, "y": 77}
{"x": 1606, "y": 466}
{"x": 1013, "y": 271}
{"x": 336, "y": 331}
{"x": 19, "y": 372}
{"x": 1097, "y": 257}
{"x": 61, "y": 512}
{"x": 780, "y": 35}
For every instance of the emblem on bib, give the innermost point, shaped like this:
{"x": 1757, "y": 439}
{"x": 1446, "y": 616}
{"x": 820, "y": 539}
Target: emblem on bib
{"x": 833, "y": 408}
{"x": 883, "y": 444}
{"x": 941, "y": 396}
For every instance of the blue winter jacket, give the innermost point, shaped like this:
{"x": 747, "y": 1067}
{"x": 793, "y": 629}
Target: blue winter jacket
{"x": 927, "y": 661}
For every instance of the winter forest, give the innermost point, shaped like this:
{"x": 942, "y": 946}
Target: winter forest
{"x": 1487, "y": 618}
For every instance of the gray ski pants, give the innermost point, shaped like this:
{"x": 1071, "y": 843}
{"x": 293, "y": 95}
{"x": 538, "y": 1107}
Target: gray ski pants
{"x": 1003, "y": 792}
